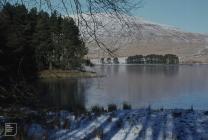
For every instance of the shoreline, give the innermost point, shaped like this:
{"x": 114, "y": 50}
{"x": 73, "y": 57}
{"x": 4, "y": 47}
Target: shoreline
{"x": 48, "y": 74}
{"x": 152, "y": 64}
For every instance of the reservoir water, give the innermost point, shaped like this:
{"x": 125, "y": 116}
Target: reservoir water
{"x": 167, "y": 86}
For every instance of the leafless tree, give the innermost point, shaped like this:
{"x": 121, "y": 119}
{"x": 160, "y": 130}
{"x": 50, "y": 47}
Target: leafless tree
{"x": 85, "y": 11}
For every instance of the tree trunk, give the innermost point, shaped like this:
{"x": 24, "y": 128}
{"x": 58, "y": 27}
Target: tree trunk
{"x": 50, "y": 66}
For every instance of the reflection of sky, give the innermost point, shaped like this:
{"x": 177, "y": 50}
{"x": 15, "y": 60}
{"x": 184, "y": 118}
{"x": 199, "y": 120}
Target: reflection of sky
{"x": 198, "y": 101}
{"x": 165, "y": 86}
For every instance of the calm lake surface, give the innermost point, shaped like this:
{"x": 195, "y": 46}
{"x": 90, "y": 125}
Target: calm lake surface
{"x": 168, "y": 86}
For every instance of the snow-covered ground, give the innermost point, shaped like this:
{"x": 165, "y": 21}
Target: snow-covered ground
{"x": 142, "y": 124}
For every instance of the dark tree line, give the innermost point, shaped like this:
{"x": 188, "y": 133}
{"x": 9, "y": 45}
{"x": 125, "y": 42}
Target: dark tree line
{"x": 34, "y": 40}
{"x": 153, "y": 59}
{"x": 30, "y": 41}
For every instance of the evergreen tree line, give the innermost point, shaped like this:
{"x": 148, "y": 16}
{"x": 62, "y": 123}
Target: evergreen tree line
{"x": 153, "y": 59}
{"x": 34, "y": 40}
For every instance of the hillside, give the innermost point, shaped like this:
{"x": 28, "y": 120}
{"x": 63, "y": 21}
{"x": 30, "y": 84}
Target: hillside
{"x": 138, "y": 36}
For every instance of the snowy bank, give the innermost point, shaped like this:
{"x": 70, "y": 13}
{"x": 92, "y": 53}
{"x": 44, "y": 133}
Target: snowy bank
{"x": 126, "y": 125}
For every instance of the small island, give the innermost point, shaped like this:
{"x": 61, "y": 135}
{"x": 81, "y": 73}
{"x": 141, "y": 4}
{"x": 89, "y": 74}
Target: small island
{"x": 153, "y": 59}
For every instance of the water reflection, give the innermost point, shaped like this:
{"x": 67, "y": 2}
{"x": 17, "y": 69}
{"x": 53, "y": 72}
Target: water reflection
{"x": 159, "y": 85}
{"x": 168, "y": 70}
{"x": 63, "y": 93}
{"x": 169, "y": 86}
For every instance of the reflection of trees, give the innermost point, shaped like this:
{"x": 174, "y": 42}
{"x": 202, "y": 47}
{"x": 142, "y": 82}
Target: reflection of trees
{"x": 66, "y": 94}
{"x": 171, "y": 70}
{"x": 135, "y": 69}
{"x": 115, "y": 69}
{"x": 166, "y": 70}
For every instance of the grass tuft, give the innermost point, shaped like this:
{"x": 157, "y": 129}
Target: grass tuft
{"x": 126, "y": 106}
{"x": 112, "y": 107}
{"x": 97, "y": 109}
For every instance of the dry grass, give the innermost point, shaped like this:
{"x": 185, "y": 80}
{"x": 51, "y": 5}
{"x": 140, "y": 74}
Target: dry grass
{"x": 65, "y": 74}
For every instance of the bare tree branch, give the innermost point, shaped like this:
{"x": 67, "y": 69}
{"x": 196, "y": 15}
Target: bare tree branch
{"x": 85, "y": 13}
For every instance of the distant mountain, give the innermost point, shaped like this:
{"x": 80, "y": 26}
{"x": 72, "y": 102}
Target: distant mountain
{"x": 138, "y": 36}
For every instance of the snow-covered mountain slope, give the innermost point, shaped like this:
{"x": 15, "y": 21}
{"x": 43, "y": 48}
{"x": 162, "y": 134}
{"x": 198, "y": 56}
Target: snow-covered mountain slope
{"x": 130, "y": 36}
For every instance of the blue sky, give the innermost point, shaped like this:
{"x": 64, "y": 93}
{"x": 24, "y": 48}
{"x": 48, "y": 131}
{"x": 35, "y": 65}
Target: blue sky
{"x": 189, "y": 15}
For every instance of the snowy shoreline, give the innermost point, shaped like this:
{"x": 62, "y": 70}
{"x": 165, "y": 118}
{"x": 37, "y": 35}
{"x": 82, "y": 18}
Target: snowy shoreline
{"x": 169, "y": 124}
